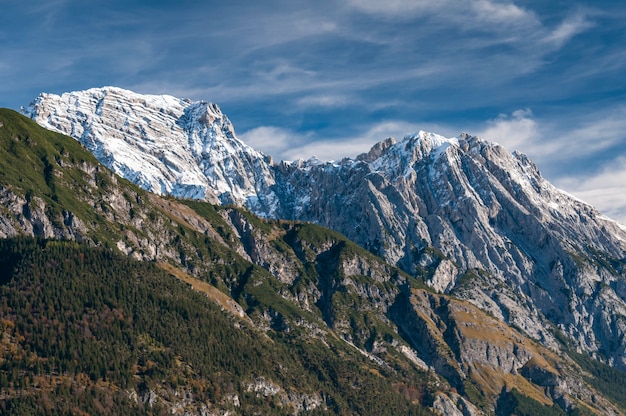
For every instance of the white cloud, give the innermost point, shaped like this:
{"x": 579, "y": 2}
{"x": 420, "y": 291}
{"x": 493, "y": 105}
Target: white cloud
{"x": 605, "y": 190}
{"x": 483, "y": 10}
{"x": 471, "y": 13}
{"x": 518, "y": 131}
{"x": 562, "y": 139}
{"x": 396, "y": 129}
{"x": 569, "y": 28}
{"x": 284, "y": 144}
{"x": 335, "y": 149}
{"x": 274, "y": 141}
{"x": 501, "y": 13}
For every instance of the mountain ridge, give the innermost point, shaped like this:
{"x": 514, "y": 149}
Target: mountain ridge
{"x": 345, "y": 322}
{"x": 449, "y": 207}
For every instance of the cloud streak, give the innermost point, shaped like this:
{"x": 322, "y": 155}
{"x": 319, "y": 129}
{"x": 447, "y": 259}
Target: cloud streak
{"x": 515, "y": 132}
{"x": 569, "y": 28}
{"x": 606, "y": 190}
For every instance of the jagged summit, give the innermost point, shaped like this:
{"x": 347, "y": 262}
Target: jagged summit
{"x": 422, "y": 143}
{"x": 377, "y": 150}
{"x": 429, "y": 142}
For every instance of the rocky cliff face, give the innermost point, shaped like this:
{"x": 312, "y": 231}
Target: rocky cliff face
{"x": 387, "y": 317}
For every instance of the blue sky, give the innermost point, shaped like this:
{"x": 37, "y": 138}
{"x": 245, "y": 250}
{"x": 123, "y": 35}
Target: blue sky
{"x": 331, "y": 78}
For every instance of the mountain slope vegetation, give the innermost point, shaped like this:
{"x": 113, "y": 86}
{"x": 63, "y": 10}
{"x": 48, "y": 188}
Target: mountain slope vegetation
{"x": 115, "y": 298}
{"x": 84, "y": 326}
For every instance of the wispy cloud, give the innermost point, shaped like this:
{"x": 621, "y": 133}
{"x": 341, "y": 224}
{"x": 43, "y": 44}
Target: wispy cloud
{"x": 298, "y": 49}
{"x": 482, "y": 15}
{"x": 466, "y": 12}
{"x": 588, "y": 136}
{"x": 323, "y": 100}
{"x": 515, "y": 132}
{"x": 46, "y": 12}
{"x": 280, "y": 143}
{"x": 569, "y": 28}
{"x": 315, "y": 52}
{"x": 563, "y": 138}
{"x": 402, "y": 9}
{"x": 326, "y": 150}
{"x": 285, "y": 144}
{"x": 606, "y": 190}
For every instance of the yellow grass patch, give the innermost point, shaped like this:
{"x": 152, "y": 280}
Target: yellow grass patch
{"x": 184, "y": 215}
{"x": 222, "y": 299}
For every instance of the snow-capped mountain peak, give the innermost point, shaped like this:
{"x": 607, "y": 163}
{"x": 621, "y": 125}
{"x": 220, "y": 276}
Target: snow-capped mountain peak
{"x": 397, "y": 159}
{"x": 428, "y": 142}
{"x": 165, "y": 144}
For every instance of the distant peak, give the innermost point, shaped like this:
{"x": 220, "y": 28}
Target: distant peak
{"x": 377, "y": 150}
{"x": 428, "y": 143}
{"x": 428, "y": 138}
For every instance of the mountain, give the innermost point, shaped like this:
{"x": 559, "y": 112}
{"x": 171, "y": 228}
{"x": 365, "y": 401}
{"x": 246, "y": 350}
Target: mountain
{"x": 478, "y": 222}
{"x": 116, "y": 300}
{"x": 166, "y": 145}
{"x": 486, "y": 227}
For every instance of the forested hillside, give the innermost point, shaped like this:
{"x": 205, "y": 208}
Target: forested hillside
{"x": 82, "y": 327}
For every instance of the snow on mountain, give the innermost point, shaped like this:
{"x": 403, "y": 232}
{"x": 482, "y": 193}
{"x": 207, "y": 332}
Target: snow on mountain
{"x": 164, "y": 144}
{"x": 483, "y": 224}
{"x": 474, "y": 219}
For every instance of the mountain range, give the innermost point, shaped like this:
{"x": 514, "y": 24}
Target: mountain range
{"x": 474, "y": 286}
